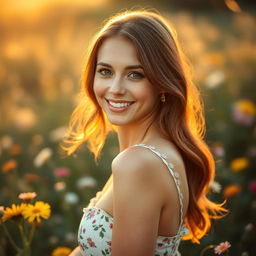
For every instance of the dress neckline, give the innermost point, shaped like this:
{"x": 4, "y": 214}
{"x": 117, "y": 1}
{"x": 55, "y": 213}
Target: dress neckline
{"x": 181, "y": 232}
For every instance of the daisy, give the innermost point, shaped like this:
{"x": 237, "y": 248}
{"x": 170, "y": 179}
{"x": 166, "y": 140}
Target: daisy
{"x": 14, "y": 211}
{"x": 34, "y": 213}
{"x": 222, "y": 247}
{"x": 27, "y": 196}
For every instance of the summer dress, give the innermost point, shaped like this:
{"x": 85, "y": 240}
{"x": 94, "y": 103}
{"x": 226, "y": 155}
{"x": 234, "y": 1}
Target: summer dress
{"x": 95, "y": 230}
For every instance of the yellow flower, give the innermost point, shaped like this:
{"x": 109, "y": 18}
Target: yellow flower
{"x": 231, "y": 191}
{"x": 238, "y": 164}
{"x": 34, "y": 213}
{"x": 61, "y": 251}
{"x": 27, "y": 196}
{"x": 246, "y": 107}
{"x": 14, "y": 211}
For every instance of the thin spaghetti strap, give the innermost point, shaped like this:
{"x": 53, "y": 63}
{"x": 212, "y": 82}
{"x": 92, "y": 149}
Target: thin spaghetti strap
{"x": 175, "y": 176}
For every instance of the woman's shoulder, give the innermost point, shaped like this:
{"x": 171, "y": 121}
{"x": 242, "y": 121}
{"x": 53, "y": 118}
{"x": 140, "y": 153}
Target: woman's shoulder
{"x": 147, "y": 165}
{"x": 138, "y": 169}
{"x": 135, "y": 158}
{"x": 141, "y": 155}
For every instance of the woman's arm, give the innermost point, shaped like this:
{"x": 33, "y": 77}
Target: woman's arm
{"x": 76, "y": 252}
{"x": 137, "y": 201}
{"x": 108, "y": 183}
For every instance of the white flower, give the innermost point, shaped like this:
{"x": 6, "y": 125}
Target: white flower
{"x": 71, "y": 198}
{"x": 6, "y": 142}
{"x": 214, "y": 79}
{"x": 215, "y": 186}
{"x": 24, "y": 118}
{"x": 86, "y": 182}
{"x": 58, "y": 133}
{"x": 42, "y": 157}
{"x": 70, "y": 237}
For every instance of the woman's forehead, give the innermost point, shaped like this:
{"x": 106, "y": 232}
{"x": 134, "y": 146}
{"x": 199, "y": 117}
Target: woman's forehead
{"x": 118, "y": 49}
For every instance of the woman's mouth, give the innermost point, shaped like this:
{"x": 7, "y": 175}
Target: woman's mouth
{"x": 118, "y": 105}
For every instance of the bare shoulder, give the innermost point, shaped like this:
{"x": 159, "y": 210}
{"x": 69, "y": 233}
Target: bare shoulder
{"x": 136, "y": 160}
{"x": 140, "y": 159}
{"x": 144, "y": 168}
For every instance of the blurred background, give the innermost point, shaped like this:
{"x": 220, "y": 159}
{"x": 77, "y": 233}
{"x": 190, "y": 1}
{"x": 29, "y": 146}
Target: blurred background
{"x": 43, "y": 45}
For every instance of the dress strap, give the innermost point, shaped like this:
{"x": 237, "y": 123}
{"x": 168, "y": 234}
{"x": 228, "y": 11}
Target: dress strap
{"x": 175, "y": 176}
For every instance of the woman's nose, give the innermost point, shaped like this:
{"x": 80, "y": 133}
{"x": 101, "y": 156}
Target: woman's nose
{"x": 117, "y": 86}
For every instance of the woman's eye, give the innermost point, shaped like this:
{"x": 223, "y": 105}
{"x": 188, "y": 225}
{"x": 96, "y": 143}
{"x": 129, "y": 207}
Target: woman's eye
{"x": 104, "y": 72}
{"x": 136, "y": 75}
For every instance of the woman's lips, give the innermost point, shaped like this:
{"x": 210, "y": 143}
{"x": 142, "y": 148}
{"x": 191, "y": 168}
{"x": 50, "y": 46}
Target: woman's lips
{"x": 118, "y": 106}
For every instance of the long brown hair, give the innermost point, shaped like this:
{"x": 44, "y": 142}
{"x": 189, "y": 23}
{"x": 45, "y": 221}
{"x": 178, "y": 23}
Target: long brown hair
{"x": 181, "y": 117}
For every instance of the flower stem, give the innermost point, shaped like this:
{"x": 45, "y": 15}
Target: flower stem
{"x": 206, "y": 249}
{"x": 31, "y": 233}
{"x": 15, "y": 246}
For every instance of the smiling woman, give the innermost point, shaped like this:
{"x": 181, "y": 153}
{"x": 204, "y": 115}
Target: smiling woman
{"x": 137, "y": 83}
{"x": 120, "y": 85}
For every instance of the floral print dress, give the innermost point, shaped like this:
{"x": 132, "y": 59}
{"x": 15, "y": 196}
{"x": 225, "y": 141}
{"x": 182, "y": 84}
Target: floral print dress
{"x": 95, "y": 230}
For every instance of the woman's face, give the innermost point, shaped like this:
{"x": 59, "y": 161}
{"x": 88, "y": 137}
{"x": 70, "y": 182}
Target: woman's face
{"x": 120, "y": 85}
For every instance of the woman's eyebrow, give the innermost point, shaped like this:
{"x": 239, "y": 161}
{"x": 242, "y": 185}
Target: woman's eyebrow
{"x": 128, "y": 67}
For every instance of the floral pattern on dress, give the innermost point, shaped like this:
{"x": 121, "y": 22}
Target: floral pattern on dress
{"x": 95, "y": 235}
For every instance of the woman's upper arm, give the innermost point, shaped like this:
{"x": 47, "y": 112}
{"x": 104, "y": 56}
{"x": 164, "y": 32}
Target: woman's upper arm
{"x": 76, "y": 252}
{"x": 137, "y": 205}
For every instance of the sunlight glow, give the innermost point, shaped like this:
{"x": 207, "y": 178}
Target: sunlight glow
{"x": 32, "y": 7}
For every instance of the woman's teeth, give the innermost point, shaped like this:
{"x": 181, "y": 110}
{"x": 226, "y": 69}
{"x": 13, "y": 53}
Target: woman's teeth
{"x": 119, "y": 105}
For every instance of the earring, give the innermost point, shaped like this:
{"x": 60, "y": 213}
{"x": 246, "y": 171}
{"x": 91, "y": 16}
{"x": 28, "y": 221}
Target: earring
{"x": 162, "y": 97}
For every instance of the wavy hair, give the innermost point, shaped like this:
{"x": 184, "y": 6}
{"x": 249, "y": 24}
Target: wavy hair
{"x": 181, "y": 117}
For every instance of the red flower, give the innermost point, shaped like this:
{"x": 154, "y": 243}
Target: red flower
{"x": 84, "y": 230}
{"x": 110, "y": 225}
{"x": 167, "y": 240}
{"x": 90, "y": 242}
{"x": 160, "y": 244}
{"x": 92, "y": 213}
{"x": 93, "y": 221}
{"x": 252, "y": 186}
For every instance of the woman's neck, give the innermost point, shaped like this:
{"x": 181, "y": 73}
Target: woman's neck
{"x": 135, "y": 134}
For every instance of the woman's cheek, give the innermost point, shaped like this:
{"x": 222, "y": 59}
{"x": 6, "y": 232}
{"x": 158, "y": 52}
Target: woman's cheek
{"x": 99, "y": 89}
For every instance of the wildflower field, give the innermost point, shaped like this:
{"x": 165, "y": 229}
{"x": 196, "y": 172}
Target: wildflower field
{"x": 41, "y": 60}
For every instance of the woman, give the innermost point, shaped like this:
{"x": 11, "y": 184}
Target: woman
{"x": 138, "y": 84}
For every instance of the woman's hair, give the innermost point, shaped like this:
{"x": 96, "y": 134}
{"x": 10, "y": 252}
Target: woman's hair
{"x": 180, "y": 117}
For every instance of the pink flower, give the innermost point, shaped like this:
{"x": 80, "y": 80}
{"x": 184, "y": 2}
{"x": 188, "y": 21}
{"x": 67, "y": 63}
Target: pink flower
{"x": 222, "y": 247}
{"x": 27, "y": 196}
{"x": 252, "y": 186}
{"x": 62, "y": 172}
